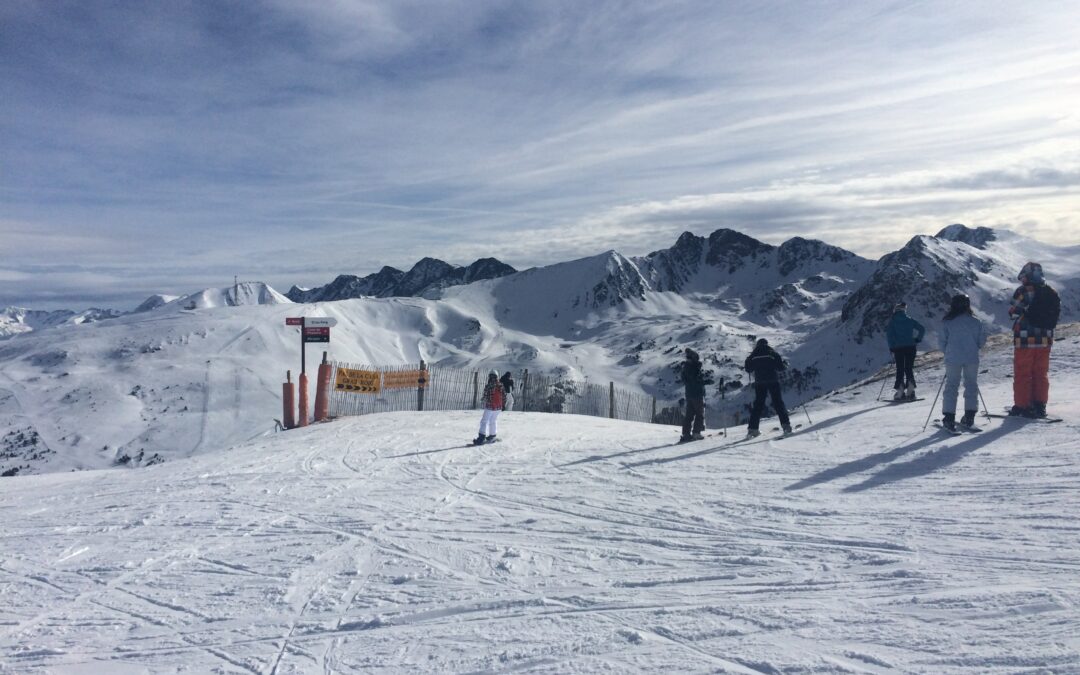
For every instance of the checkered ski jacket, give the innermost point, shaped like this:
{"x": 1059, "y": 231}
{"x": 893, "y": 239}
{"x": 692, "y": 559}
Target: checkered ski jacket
{"x": 1024, "y": 334}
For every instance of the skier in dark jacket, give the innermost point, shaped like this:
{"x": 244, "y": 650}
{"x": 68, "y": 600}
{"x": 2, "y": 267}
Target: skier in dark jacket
{"x": 765, "y": 365}
{"x": 904, "y": 334}
{"x": 507, "y": 381}
{"x": 1035, "y": 310}
{"x": 694, "y": 379}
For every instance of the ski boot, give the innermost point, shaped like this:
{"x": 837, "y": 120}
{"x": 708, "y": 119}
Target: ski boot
{"x": 697, "y": 436}
{"x": 968, "y": 420}
{"x": 685, "y": 439}
{"x": 490, "y": 439}
{"x": 898, "y": 395}
{"x": 909, "y": 393}
{"x": 787, "y": 429}
{"x": 752, "y": 433}
{"x": 479, "y": 440}
{"x": 948, "y": 422}
{"x": 1019, "y": 411}
{"x": 1038, "y": 410}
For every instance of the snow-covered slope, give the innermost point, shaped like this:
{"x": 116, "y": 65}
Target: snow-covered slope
{"x": 861, "y": 545}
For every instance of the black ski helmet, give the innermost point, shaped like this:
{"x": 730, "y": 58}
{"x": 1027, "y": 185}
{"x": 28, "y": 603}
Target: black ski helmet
{"x": 960, "y": 303}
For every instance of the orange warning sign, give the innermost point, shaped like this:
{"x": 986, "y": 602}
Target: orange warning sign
{"x": 357, "y": 381}
{"x": 405, "y": 379}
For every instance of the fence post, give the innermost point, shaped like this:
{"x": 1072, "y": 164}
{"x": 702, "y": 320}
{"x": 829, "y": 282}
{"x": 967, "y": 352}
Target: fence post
{"x": 653, "y": 418}
{"x": 525, "y": 391}
{"x": 420, "y": 385}
{"x": 611, "y": 401}
{"x": 475, "y": 387}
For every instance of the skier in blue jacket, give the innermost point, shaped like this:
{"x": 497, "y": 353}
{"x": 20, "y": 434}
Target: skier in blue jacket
{"x": 904, "y": 334}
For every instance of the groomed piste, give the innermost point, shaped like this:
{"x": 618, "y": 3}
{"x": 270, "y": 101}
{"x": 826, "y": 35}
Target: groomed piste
{"x": 861, "y": 544}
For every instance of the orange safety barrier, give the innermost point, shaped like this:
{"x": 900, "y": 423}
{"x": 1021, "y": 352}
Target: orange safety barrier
{"x": 322, "y": 392}
{"x": 303, "y": 419}
{"x": 288, "y": 402}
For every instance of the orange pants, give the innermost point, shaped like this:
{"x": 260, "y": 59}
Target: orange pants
{"x": 1031, "y": 380}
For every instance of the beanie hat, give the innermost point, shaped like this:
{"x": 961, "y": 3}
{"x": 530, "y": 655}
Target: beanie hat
{"x": 762, "y": 342}
{"x": 691, "y": 354}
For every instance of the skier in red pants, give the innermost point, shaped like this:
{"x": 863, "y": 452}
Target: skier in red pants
{"x": 1035, "y": 310}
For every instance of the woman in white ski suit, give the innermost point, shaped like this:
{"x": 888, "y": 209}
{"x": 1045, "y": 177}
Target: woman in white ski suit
{"x": 962, "y": 335}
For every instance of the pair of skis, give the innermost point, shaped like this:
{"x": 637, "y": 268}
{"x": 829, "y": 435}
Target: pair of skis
{"x": 742, "y": 439}
{"x": 961, "y": 429}
{"x": 1021, "y": 418}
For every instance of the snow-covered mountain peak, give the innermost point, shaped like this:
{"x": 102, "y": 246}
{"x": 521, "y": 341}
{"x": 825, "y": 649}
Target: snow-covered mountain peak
{"x": 426, "y": 278}
{"x": 732, "y": 249}
{"x": 244, "y": 293}
{"x": 978, "y": 237}
{"x": 153, "y": 302}
{"x": 798, "y": 252}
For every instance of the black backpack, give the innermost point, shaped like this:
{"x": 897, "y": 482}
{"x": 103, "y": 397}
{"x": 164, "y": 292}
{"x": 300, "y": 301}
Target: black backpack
{"x": 1044, "y": 309}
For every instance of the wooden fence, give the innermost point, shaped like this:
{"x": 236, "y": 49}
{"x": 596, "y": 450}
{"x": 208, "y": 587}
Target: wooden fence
{"x": 357, "y": 389}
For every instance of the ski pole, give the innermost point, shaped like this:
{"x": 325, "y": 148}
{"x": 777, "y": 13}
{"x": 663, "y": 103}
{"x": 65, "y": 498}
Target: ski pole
{"x": 934, "y": 404}
{"x": 883, "y": 381}
{"x": 986, "y": 411}
{"x": 809, "y": 421}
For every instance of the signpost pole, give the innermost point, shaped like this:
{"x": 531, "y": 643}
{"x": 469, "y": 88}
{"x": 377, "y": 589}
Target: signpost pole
{"x": 303, "y": 345}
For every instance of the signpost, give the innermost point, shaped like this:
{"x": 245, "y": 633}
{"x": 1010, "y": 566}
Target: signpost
{"x": 312, "y": 329}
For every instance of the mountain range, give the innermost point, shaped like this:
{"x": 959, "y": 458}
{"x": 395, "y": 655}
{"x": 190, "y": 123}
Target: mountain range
{"x": 191, "y": 373}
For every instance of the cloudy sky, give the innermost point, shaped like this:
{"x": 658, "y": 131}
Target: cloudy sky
{"x": 166, "y": 146}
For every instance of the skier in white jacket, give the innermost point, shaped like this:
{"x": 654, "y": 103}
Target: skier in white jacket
{"x": 962, "y": 335}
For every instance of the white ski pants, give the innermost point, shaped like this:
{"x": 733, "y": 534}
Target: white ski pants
{"x": 953, "y": 373}
{"x": 489, "y": 422}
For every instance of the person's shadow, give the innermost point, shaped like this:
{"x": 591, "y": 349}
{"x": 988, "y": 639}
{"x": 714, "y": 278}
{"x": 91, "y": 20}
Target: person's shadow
{"x": 936, "y": 459}
{"x": 863, "y": 464}
{"x": 920, "y": 466}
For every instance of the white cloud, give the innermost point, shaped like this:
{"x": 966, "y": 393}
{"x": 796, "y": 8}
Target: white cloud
{"x": 303, "y": 140}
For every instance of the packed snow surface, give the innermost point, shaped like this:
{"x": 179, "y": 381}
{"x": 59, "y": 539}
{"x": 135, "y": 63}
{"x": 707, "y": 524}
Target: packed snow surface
{"x": 861, "y": 544}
